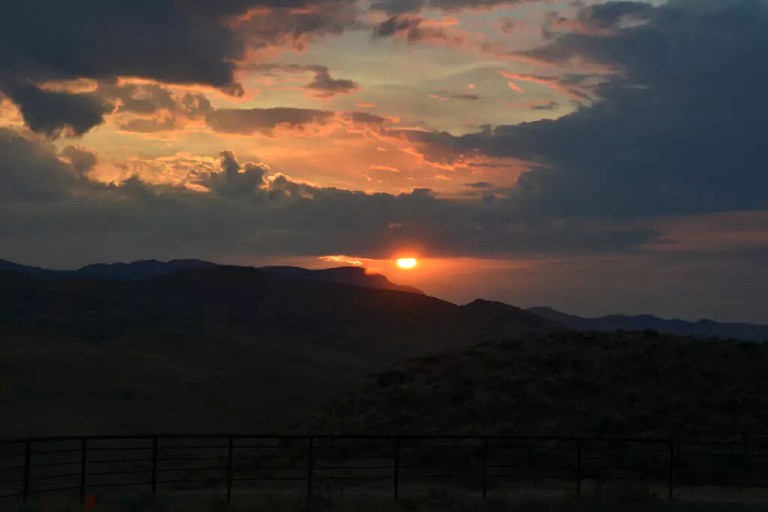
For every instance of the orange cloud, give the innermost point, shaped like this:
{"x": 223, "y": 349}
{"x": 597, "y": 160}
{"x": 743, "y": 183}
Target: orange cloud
{"x": 70, "y": 86}
{"x": 340, "y": 258}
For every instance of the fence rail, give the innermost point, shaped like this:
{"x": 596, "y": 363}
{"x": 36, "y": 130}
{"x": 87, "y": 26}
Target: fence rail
{"x": 481, "y": 465}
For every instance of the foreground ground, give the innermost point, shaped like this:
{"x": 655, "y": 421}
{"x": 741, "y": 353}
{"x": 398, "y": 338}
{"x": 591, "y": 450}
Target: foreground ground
{"x": 145, "y": 504}
{"x": 620, "y": 384}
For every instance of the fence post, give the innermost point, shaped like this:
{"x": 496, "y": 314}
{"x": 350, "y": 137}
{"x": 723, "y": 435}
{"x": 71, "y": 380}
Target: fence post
{"x": 310, "y": 466}
{"x": 671, "y": 469}
{"x": 83, "y": 459}
{"x": 578, "y": 467}
{"x": 27, "y": 468}
{"x": 396, "y": 460}
{"x": 485, "y": 468}
{"x": 230, "y": 462}
{"x": 154, "y": 464}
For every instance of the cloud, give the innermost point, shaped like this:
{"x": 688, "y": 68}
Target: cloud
{"x": 148, "y": 125}
{"x": 264, "y": 120}
{"x": 472, "y": 97}
{"x": 615, "y": 13}
{"x": 234, "y": 181}
{"x": 546, "y": 105}
{"x": 191, "y": 42}
{"x": 64, "y": 45}
{"x": 82, "y": 160}
{"x": 321, "y": 86}
{"x": 399, "y": 6}
{"x": 367, "y": 118}
{"x": 407, "y": 6}
{"x": 45, "y": 205}
{"x": 479, "y": 185}
{"x": 144, "y": 98}
{"x": 669, "y": 134}
{"x": 396, "y": 24}
{"x": 50, "y": 112}
{"x": 573, "y": 86}
{"x": 48, "y": 198}
{"x": 294, "y": 24}
{"x": 327, "y": 87}
{"x": 419, "y": 29}
{"x": 148, "y": 107}
{"x": 31, "y": 171}
{"x": 299, "y": 121}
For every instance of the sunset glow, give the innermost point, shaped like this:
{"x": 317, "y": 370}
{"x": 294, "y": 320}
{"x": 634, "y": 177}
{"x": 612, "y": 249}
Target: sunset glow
{"x": 403, "y": 137}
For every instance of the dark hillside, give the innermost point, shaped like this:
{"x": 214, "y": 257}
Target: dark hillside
{"x": 602, "y": 384}
{"x": 354, "y": 276}
{"x": 207, "y": 349}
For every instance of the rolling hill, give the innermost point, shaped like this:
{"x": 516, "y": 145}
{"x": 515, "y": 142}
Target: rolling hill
{"x": 621, "y": 384}
{"x": 208, "y": 349}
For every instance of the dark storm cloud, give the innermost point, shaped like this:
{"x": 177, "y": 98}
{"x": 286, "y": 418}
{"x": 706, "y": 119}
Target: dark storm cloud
{"x": 611, "y": 14}
{"x": 82, "y": 160}
{"x": 162, "y": 39}
{"x": 30, "y": 171}
{"x": 47, "y": 198}
{"x": 235, "y": 180}
{"x": 678, "y": 130}
{"x": 50, "y": 111}
{"x": 172, "y": 41}
{"x": 413, "y": 28}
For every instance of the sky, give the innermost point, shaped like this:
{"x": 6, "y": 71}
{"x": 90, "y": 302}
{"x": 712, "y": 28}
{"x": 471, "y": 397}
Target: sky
{"x": 596, "y": 157}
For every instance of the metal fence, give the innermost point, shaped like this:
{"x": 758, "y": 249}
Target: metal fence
{"x": 374, "y": 464}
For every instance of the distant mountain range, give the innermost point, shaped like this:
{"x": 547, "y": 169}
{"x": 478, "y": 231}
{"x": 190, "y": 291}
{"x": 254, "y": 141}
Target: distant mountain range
{"x": 210, "y": 348}
{"x": 190, "y": 346}
{"x": 354, "y": 276}
{"x": 700, "y": 329}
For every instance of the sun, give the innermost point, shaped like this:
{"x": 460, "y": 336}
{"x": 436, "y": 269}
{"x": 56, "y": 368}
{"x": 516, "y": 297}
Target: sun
{"x": 407, "y": 263}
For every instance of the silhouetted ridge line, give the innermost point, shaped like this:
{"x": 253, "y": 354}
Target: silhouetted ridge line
{"x": 144, "y": 269}
{"x": 700, "y": 329}
{"x": 209, "y": 348}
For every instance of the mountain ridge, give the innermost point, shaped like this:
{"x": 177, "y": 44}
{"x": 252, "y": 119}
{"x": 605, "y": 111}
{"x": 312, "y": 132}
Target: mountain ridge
{"x": 355, "y": 276}
{"x": 208, "y": 348}
{"x": 142, "y": 269}
{"x": 701, "y": 328}
{"x": 358, "y": 276}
